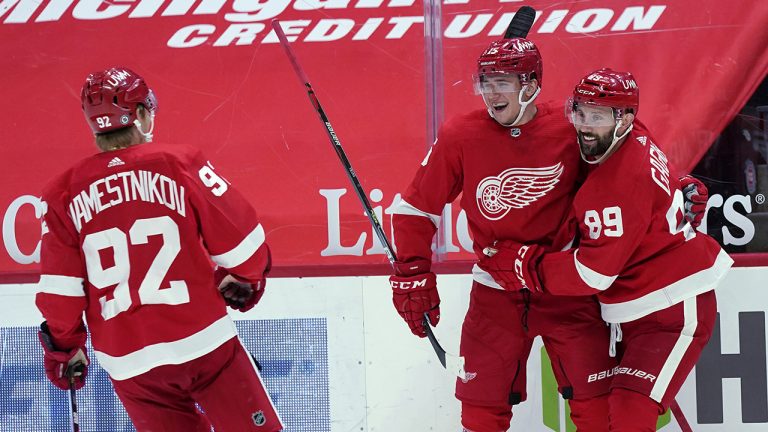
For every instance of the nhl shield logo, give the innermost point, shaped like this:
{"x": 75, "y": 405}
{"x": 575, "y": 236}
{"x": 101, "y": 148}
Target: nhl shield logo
{"x": 515, "y": 132}
{"x": 258, "y": 418}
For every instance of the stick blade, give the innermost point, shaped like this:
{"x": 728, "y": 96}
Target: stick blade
{"x": 521, "y": 23}
{"x": 452, "y": 363}
{"x": 455, "y": 365}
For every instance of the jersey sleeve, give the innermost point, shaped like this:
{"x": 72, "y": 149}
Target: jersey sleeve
{"x": 615, "y": 226}
{"x": 229, "y": 226}
{"x": 61, "y": 291}
{"x": 416, "y": 217}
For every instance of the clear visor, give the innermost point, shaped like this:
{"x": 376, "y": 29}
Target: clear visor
{"x": 496, "y": 83}
{"x": 589, "y": 115}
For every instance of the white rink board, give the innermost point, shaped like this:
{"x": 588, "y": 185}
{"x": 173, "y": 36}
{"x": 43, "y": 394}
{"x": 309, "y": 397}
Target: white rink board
{"x": 383, "y": 379}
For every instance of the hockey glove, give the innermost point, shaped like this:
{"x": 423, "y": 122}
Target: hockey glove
{"x": 238, "y": 294}
{"x": 414, "y": 292}
{"x": 513, "y": 265}
{"x": 696, "y": 196}
{"x": 60, "y": 365}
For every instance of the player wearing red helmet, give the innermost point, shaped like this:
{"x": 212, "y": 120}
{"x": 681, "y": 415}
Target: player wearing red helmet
{"x": 509, "y": 76}
{"x": 604, "y": 98}
{"x": 654, "y": 275}
{"x": 128, "y": 237}
{"x": 116, "y": 99}
{"x": 517, "y": 173}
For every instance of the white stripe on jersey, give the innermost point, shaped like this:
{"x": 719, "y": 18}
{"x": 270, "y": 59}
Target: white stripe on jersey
{"x": 250, "y": 244}
{"x": 685, "y": 288}
{"x": 168, "y": 353}
{"x": 483, "y": 277}
{"x": 590, "y": 277}
{"x": 690, "y": 322}
{"x": 61, "y": 285}
{"x": 404, "y": 208}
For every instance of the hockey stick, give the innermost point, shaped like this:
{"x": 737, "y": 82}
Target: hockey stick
{"x": 679, "y": 416}
{"x": 449, "y": 361}
{"x": 521, "y": 23}
{"x": 334, "y": 141}
{"x": 71, "y": 373}
{"x": 452, "y": 363}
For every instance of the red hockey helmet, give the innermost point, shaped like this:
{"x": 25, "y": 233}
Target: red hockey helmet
{"x": 109, "y": 98}
{"x": 511, "y": 56}
{"x": 609, "y": 88}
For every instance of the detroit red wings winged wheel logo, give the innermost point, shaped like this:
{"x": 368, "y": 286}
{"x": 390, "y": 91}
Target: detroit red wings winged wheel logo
{"x": 515, "y": 188}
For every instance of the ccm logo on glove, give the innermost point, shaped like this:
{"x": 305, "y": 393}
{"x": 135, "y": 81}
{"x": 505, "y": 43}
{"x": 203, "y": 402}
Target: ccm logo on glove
{"x": 519, "y": 265}
{"x": 513, "y": 265}
{"x": 409, "y": 284}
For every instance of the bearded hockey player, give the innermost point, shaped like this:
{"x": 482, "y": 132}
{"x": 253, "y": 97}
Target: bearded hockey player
{"x": 516, "y": 168}
{"x": 654, "y": 275}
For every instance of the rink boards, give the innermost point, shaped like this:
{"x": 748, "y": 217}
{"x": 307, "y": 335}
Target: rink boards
{"x": 336, "y": 357}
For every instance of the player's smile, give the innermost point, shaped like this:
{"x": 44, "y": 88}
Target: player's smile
{"x": 588, "y": 139}
{"x": 592, "y": 143}
{"x": 501, "y": 106}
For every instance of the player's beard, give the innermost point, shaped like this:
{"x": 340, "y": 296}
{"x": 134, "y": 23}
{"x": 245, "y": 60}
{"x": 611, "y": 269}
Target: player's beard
{"x": 595, "y": 148}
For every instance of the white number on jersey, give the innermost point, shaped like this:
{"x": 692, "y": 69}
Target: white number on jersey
{"x": 611, "y": 224}
{"x": 103, "y": 121}
{"x": 150, "y": 291}
{"x": 678, "y": 206}
{"x": 212, "y": 180}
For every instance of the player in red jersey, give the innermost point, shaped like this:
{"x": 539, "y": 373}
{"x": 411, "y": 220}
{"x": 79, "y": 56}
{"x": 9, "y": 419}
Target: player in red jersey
{"x": 128, "y": 238}
{"x": 653, "y": 274}
{"x": 517, "y": 171}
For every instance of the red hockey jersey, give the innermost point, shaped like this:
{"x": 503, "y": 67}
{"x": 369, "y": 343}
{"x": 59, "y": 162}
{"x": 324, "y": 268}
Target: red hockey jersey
{"x": 128, "y": 237}
{"x": 516, "y": 183}
{"x": 636, "y": 251}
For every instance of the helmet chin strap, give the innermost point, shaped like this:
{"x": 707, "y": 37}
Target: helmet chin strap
{"x": 611, "y": 148}
{"x": 147, "y": 135}
{"x": 523, "y": 106}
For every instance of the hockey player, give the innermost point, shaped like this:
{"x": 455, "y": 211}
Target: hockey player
{"x": 653, "y": 274}
{"x": 517, "y": 171}
{"x": 128, "y": 238}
